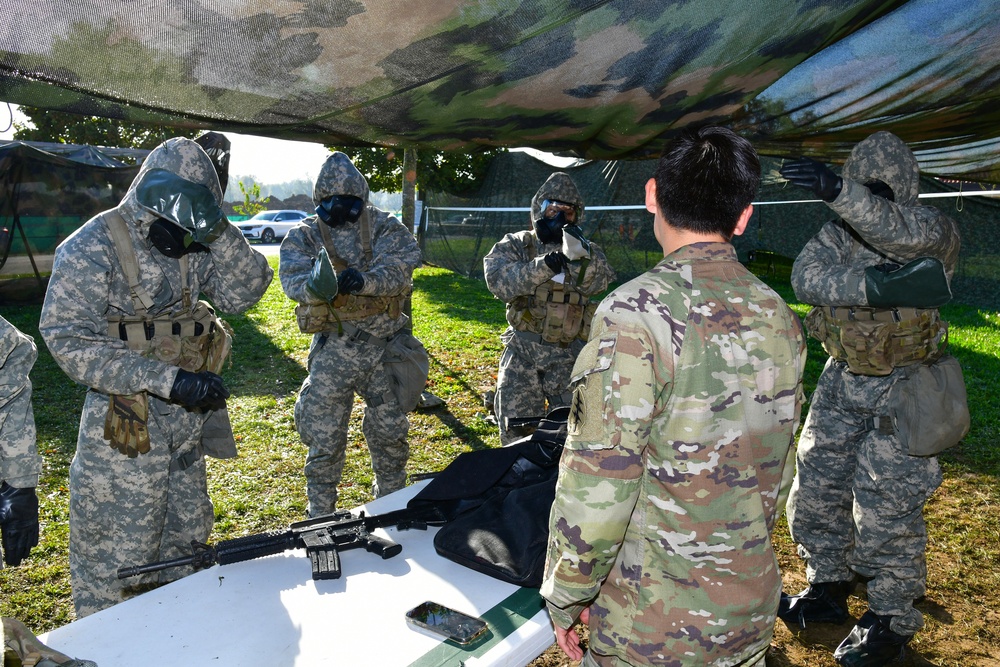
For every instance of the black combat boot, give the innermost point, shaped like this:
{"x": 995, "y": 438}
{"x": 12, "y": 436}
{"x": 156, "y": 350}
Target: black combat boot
{"x": 871, "y": 643}
{"x": 820, "y": 603}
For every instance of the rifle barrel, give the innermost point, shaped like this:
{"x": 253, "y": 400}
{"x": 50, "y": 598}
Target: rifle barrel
{"x": 136, "y": 570}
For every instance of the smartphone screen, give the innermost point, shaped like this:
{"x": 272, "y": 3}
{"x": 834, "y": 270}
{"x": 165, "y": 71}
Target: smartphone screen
{"x": 447, "y": 622}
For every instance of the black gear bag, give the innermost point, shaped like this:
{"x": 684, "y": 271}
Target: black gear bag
{"x": 497, "y": 502}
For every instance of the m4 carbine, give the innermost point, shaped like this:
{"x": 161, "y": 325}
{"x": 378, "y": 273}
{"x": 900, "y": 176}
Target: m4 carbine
{"x": 322, "y": 537}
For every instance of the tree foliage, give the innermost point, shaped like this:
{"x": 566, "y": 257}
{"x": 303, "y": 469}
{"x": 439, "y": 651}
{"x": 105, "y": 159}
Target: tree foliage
{"x": 252, "y": 201}
{"x": 457, "y": 173}
{"x": 71, "y": 128}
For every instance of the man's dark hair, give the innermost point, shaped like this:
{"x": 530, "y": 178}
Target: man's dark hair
{"x": 705, "y": 178}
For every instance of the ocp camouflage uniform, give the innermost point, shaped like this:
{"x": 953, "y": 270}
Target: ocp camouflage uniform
{"x": 20, "y": 463}
{"x": 686, "y": 400}
{"x": 856, "y": 505}
{"x": 345, "y": 356}
{"x": 549, "y": 321}
{"x": 128, "y": 510}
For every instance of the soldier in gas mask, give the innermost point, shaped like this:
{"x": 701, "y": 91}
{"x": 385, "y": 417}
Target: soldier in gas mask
{"x": 546, "y": 276}
{"x": 19, "y": 460}
{"x": 350, "y": 269}
{"x": 877, "y": 276}
{"x": 122, "y": 317}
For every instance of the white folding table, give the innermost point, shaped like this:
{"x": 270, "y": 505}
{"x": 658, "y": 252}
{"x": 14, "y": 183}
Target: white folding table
{"x": 270, "y": 613}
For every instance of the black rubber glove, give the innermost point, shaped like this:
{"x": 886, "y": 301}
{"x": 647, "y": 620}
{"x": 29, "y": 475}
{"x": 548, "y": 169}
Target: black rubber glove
{"x": 199, "y": 390}
{"x": 816, "y": 176}
{"x": 351, "y": 281}
{"x": 18, "y": 522}
{"x": 556, "y": 261}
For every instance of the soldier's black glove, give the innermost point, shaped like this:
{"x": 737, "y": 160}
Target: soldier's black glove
{"x": 556, "y": 261}
{"x": 351, "y": 281}
{"x": 18, "y": 522}
{"x": 199, "y": 390}
{"x": 816, "y": 176}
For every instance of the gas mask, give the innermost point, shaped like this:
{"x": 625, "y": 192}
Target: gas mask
{"x": 337, "y": 210}
{"x": 555, "y": 216}
{"x": 173, "y": 241}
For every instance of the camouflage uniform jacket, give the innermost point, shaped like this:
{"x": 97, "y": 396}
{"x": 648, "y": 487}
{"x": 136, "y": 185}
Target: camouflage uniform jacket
{"x": 686, "y": 401}
{"x": 88, "y": 285}
{"x": 516, "y": 267}
{"x": 830, "y": 270}
{"x": 394, "y": 250}
{"x": 19, "y": 460}
{"x": 395, "y": 254}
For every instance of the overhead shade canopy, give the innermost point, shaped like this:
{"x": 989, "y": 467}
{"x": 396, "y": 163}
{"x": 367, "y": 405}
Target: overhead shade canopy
{"x": 598, "y": 79}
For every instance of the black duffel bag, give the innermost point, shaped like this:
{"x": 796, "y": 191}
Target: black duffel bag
{"x": 496, "y": 503}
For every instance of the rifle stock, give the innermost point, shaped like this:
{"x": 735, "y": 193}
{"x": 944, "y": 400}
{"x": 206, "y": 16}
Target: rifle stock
{"x": 322, "y": 537}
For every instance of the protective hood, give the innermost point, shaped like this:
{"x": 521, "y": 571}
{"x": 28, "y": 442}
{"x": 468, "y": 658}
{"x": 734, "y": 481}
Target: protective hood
{"x": 339, "y": 176}
{"x": 187, "y": 165}
{"x": 558, "y": 186}
{"x": 885, "y": 157}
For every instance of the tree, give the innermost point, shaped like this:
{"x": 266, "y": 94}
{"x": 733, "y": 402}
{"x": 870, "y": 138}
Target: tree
{"x": 71, "y": 128}
{"x": 252, "y": 202}
{"x": 456, "y": 173}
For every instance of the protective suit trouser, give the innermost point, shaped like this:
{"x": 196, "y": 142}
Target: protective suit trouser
{"x": 856, "y": 504}
{"x": 339, "y": 368}
{"x": 532, "y": 379}
{"x": 132, "y": 511}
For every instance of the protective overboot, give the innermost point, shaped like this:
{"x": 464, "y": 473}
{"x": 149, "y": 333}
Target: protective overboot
{"x": 871, "y": 643}
{"x": 824, "y": 602}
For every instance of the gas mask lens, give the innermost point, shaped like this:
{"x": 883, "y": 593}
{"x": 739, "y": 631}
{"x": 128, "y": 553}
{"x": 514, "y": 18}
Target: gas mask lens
{"x": 338, "y": 209}
{"x": 553, "y": 207}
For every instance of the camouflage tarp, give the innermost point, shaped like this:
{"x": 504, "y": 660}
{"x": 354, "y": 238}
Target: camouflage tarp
{"x": 44, "y": 197}
{"x": 597, "y": 78}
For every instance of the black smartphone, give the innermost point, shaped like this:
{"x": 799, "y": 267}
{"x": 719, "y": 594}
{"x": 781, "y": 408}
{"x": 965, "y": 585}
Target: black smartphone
{"x": 446, "y": 622}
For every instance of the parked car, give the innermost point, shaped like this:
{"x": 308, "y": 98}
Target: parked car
{"x": 271, "y": 226}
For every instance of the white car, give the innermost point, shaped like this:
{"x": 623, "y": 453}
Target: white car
{"x": 271, "y": 226}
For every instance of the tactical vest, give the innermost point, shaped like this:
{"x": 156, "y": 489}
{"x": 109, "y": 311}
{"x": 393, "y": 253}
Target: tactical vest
{"x": 557, "y": 312}
{"x": 874, "y": 341}
{"x": 317, "y": 318}
{"x": 195, "y": 340}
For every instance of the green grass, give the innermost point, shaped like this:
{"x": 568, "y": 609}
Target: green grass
{"x": 460, "y": 322}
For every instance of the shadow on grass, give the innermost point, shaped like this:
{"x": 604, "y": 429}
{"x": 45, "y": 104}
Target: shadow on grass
{"x": 461, "y": 298}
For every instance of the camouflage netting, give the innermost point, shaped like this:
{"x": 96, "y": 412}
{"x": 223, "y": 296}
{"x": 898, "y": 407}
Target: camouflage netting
{"x": 603, "y": 79}
{"x": 457, "y": 235}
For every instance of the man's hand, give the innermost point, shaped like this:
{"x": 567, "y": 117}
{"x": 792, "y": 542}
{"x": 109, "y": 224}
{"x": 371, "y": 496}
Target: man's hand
{"x": 18, "y": 522}
{"x": 351, "y": 281}
{"x": 568, "y": 640}
{"x": 808, "y": 173}
{"x": 322, "y": 281}
{"x": 199, "y": 390}
{"x": 556, "y": 261}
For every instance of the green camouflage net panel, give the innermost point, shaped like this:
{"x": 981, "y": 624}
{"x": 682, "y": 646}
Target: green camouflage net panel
{"x": 602, "y": 79}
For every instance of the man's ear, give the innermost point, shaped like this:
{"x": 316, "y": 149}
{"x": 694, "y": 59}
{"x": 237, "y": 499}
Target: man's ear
{"x": 744, "y": 220}
{"x": 651, "y": 196}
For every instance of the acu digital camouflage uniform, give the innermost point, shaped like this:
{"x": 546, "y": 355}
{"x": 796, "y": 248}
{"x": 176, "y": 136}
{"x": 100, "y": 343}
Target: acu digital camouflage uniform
{"x": 20, "y": 463}
{"x": 533, "y": 375}
{"x": 131, "y": 510}
{"x": 856, "y": 506}
{"x": 345, "y": 356}
{"x": 686, "y": 400}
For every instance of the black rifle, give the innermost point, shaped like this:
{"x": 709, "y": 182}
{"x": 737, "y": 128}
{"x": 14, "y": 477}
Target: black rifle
{"x": 322, "y": 538}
